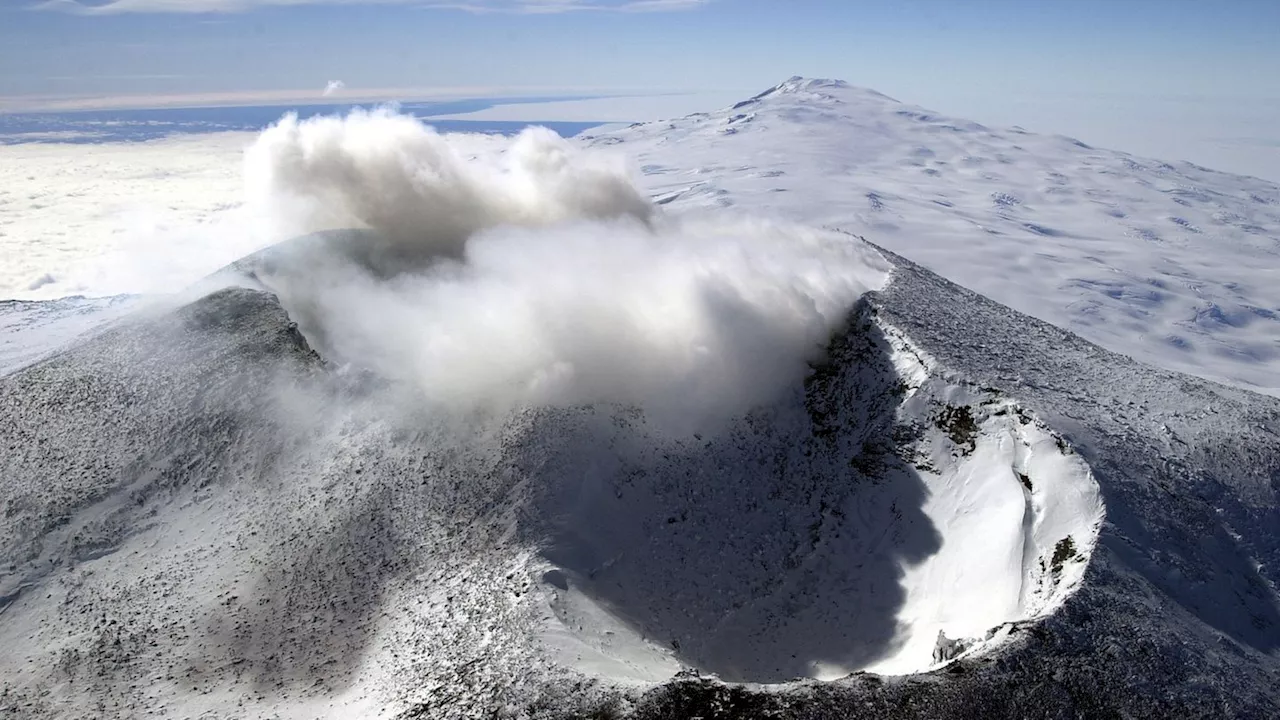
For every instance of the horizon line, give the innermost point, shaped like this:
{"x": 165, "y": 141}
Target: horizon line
{"x": 19, "y": 104}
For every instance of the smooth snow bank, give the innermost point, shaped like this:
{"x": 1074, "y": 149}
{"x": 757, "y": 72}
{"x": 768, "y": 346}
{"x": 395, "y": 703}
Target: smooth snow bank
{"x": 902, "y": 520}
{"x": 532, "y": 272}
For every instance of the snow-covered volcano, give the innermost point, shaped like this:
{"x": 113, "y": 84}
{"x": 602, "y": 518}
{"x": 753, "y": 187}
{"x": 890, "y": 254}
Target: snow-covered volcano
{"x": 878, "y": 514}
{"x": 1169, "y": 262}
{"x": 560, "y": 453}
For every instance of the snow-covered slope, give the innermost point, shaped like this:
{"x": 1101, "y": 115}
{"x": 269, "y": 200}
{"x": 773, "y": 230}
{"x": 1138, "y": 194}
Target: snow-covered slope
{"x": 255, "y": 533}
{"x": 1170, "y": 263}
{"x": 1173, "y": 264}
{"x": 32, "y": 330}
{"x": 562, "y": 454}
{"x": 834, "y": 531}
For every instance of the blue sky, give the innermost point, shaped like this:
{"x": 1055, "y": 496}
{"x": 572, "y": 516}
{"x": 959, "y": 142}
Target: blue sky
{"x": 128, "y": 47}
{"x": 1037, "y": 63}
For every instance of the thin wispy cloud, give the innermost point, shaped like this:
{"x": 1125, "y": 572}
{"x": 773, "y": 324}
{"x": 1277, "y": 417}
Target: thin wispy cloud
{"x": 124, "y": 77}
{"x": 547, "y": 7}
{"x": 523, "y": 7}
{"x": 332, "y": 87}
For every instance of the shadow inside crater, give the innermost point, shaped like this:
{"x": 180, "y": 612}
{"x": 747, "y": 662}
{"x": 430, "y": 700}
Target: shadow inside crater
{"x": 771, "y": 551}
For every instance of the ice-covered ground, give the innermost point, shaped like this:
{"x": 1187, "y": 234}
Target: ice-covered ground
{"x": 1176, "y": 265}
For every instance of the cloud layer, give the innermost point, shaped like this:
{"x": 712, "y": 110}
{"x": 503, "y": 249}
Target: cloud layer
{"x": 129, "y": 217}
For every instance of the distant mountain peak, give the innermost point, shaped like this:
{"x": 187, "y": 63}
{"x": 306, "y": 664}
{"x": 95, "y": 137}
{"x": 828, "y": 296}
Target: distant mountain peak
{"x": 799, "y": 85}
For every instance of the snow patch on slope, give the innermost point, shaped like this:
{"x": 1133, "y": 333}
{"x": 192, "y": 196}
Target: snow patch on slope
{"x": 1018, "y": 510}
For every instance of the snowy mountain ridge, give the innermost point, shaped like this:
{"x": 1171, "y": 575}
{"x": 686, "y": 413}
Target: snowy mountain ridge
{"x": 1171, "y": 263}
{"x": 798, "y": 84}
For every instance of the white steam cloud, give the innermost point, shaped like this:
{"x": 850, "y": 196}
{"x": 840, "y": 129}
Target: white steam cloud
{"x": 425, "y": 192}
{"x": 333, "y": 86}
{"x": 528, "y": 271}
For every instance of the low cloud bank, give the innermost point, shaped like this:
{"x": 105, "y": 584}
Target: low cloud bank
{"x": 529, "y": 271}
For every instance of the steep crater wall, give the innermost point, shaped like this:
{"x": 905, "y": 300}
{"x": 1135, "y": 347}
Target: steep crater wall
{"x": 884, "y": 517}
{"x": 273, "y": 523}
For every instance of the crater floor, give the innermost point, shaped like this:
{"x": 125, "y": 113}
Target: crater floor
{"x": 891, "y": 519}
